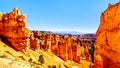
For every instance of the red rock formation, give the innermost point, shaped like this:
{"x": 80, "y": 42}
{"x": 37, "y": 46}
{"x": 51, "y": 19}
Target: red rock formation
{"x": 34, "y": 42}
{"x": 64, "y": 48}
{"x": 69, "y": 43}
{"x": 87, "y": 56}
{"x": 37, "y": 34}
{"x": 13, "y": 28}
{"x": 74, "y": 52}
{"x": 63, "y": 53}
{"x": 43, "y": 41}
{"x": 48, "y": 42}
{"x": 107, "y": 43}
{"x": 54, "y": 46}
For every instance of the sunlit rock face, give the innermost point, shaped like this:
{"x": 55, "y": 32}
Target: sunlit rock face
{"x": 13, "y": 29}
{"x": 69, "y": 43}
{"x": 34, "y": 42}
{"x": 74, "y": 52}
{"x": 107, "y": 43}
{"x": 63, "y": 50}
{"x": 54, "y": 45}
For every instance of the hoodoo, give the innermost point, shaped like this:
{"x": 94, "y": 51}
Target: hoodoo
{"x": 13, "y": 29}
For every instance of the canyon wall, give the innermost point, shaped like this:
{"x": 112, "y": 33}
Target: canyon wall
{"x": 107, "y": 45}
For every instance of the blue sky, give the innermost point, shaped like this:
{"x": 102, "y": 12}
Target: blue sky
{"x": 60, "y": 15}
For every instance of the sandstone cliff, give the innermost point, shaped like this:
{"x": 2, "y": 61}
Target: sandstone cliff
{"x": 107, "y": 43}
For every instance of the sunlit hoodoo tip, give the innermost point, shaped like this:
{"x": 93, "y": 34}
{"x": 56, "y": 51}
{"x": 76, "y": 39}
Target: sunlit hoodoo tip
{"x": 109, "y": 4}
{"x": 16, "y": 11}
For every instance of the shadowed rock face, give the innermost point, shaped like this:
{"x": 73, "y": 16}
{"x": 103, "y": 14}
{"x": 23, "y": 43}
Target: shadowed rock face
{"x": 13, "y": 28}
{"x": 107, "y": 43}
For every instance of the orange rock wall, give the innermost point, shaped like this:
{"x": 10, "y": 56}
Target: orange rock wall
{"x": 107, "y": 43}
{"x": 74, "y": 52}
{"x": 63, "y": 50}
{"x": 34, "y": 42}
{"x": 69, "y": 44}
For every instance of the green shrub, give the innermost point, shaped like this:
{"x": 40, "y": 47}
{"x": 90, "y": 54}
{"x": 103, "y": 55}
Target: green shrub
{"x": 21, "y": 57}
{"x": 41, "y": 59}
{"x": 54, "y": 66}
{"x": 30, "y": 60}
{"x": 49, "y": 66}
{"x": 66, "y": 66}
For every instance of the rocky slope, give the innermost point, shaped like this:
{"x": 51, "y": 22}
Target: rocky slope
{"x": 10, "y": 58}
{"x": 107, "y": 45}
